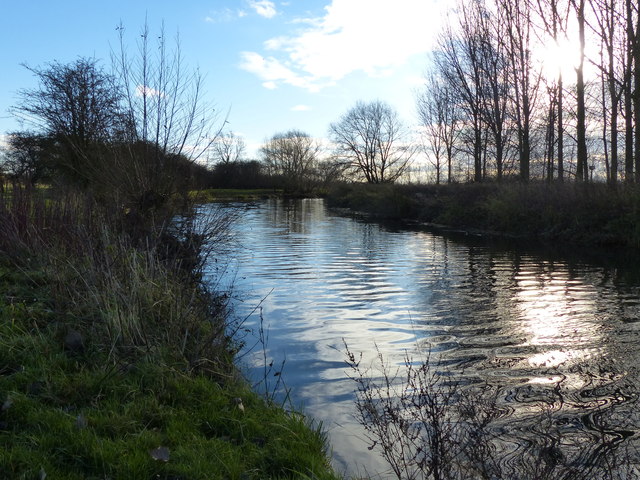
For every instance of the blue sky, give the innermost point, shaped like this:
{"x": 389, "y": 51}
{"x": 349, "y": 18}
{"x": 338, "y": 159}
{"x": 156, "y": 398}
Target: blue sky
{"x": 272, "y": 65}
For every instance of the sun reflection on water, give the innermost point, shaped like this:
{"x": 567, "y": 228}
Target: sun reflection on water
{"x": 557, "y": 318}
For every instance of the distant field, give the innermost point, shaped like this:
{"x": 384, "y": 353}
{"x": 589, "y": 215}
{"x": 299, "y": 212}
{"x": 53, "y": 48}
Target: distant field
{"x": 221, "y": 194}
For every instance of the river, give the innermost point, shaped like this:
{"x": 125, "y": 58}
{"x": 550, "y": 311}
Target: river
{"x": 526, "y": 320}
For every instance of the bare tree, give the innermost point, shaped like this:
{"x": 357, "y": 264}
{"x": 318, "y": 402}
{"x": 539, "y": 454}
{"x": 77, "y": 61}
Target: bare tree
{"x": 291, "y": 155}
{"x": 554, "y": 16}
{"x": 78, "y": 101}
{"x": 168, "y": 119}
{"x": 459, "y": 58}
{"x": 438, "y": 114}
{"x": 494, "y": 63}
{"x": 485, "y": 56}
{"x": 371, "y": 140}
{"x": 228, "y": 148}
{"x": 633, "y": 38}
{"x": 582, "y": 167}
{"x": 628, "y": 62}
{"x": 525, "y": 81}
{"x": 225, "y": 158}
{"x": 608, "y": 16}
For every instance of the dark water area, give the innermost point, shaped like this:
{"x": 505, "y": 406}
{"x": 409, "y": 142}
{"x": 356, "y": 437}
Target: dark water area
{"x": 555, "y": 330}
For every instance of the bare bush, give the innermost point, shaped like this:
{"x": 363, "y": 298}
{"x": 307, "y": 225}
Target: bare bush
{"x": 424, "y": 425}
{"x": 427, "y": 425}
{"x": 166, "y": 113}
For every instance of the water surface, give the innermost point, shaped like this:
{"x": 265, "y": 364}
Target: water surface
{"x": 529, "y": 322}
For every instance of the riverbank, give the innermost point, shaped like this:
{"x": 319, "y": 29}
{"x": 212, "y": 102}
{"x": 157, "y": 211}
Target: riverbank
{"x": 115, "y": 362}
{"x": 584, "y": 215}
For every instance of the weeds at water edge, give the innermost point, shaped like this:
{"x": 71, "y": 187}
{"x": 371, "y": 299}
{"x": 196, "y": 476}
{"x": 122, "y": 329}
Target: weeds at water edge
{"x": 428, "y": 426}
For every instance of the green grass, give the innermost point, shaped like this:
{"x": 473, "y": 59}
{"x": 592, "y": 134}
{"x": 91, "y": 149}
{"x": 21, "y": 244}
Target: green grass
{"x": 234, "y": 194}
{"x": 93, "y": 415}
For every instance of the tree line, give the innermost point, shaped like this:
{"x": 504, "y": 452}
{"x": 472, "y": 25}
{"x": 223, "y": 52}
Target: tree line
{"x": 495, "y": 105}
{"x": 533, "y": 89}
{"x": 367, "y": 143}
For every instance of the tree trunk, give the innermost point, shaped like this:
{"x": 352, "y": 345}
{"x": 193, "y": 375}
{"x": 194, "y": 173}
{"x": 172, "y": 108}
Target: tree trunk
{"x": 614, "y": 94}
{"x": 550, "y": 135}
{"x": 628, "y": 96}
{"x": 525, "y": 153}
{"x": 636, "y": 96}
{"x": 560, "y": 130}
{"x": 477, "y": 151}
{"x": 613, "y": 178}
{"x": 581, "y": 133}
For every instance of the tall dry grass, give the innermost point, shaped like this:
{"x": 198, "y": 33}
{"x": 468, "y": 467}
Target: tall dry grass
{"x": 129, "y": 293}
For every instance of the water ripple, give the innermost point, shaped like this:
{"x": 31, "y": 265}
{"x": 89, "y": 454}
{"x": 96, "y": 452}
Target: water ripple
{"x": 557, "y": 338}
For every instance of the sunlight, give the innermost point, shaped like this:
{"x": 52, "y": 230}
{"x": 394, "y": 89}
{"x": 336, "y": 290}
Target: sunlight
{"x": 546, "y": 380}
{"x": 559, "y": 57}
{"x": 554, "y": 310}
{"x": 549, "y": 359}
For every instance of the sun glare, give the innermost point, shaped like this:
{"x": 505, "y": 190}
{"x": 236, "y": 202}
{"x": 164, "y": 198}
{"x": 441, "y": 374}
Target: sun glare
{"x": 554, "y": 309}
{"x": 559, "y": 57}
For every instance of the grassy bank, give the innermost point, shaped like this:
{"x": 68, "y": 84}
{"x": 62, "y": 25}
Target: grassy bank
{"x": 234, "y": 194}
{"x": 115, "y": 361}
{"x": 590, "y": 214}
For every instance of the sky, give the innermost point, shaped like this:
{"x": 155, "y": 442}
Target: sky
{"x": 269, "y": 66}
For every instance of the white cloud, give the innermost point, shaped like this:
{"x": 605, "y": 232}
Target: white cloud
{"x": 301, "y": 108}
{"x": 264, "y": 8}
{"x": 274, "y": 72}
{"x": 371, "y": 36}
{"x": 144, "y": 91}
{"x": 224, "y": 15}
{"x": 276, "y": 43}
